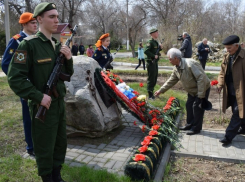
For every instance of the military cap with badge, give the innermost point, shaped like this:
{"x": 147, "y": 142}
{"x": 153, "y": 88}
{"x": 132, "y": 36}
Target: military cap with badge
{"x": 153, "y": 30}
{"x": 43, "y": 7}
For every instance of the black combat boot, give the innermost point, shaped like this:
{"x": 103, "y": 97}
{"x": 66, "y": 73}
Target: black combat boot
{"x": 56, "y": 174}
{"x": 151, "y": 96}
{"x": 47, "y": 178}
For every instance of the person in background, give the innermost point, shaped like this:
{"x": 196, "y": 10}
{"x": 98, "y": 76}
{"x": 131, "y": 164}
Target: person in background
{"x": 194, "y": 80}
{"x": 152, "y": 61}
{"x": 29, "y": 25}
{"x": 74, "y": 49}
{"x": 35, "y": 58}
{"x": 186, "y": 47}
{"x": 232, "y": 80}
{"x": 81, "y": 49}
{"x": 203, "y": 50}
{"x": 90, "y": 51}
{"x": 102, "y": 54}
{"x": 141, "y": 56}
{"x": 242, "y": 45}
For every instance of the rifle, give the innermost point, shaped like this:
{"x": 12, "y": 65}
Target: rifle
{"x": 158, "y": 50}
{"x": 56, "y": 74}
{"x": 108, "y": 64}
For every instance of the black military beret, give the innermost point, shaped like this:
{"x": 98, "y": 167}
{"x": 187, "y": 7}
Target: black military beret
{"x": 232, "y": 39}
{"x": 43, "y": 7}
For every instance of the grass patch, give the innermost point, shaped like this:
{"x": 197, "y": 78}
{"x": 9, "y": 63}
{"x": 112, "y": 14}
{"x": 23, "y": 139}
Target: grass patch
{"x": 213, "y": 64}
{"x": 15, "y": 168}
{"x": 12, "y": 166}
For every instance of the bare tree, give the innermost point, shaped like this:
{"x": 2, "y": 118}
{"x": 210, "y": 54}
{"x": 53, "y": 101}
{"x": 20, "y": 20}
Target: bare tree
{"x": 136, "y": 24}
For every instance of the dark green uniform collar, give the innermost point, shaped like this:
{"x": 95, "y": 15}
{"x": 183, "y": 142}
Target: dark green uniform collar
{"x": 43, "y": 37}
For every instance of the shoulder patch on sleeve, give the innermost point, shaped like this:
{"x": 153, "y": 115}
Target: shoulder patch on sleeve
{"x": 17, "y": 36}
{"x": 11, "y": 51}
{"x": 20, "y": 57}
{"x": 30, "y": 37}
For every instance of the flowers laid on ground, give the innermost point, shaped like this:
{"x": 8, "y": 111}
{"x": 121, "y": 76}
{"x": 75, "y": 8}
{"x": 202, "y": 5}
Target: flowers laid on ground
{"x": 159, "y": 125}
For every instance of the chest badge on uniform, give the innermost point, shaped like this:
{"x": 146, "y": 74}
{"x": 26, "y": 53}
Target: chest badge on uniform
{"x": 95, "y": 54}
{"x": 11, "y": 51}
{"x": 105, "y": 57}
{"x": 148, "y": 44}
{"x": 20, "y": 57}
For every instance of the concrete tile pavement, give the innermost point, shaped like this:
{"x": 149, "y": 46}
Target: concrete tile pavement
{"x": 206, "y": 145}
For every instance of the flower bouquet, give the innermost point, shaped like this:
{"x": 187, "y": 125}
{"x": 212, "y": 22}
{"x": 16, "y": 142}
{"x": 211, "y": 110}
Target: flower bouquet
{"x": 159, "y": 124}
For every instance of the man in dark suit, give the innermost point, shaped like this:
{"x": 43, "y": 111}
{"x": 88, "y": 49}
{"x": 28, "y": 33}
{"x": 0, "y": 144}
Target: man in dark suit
{"x": 203, "y": 50}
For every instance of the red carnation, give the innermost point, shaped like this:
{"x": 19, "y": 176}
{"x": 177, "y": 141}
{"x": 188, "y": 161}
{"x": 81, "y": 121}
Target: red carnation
{"x": 143, "y": 148}
{"x": 139, "y": 157}
{"x": 154, "y": 120}
{"x": 214, "y": 82}
{"x": 143, "y": 128}
{"x": 141, "y": 85}
{"x": 148, "y": 138}
{"x": 171, "y": 99}
{"x": 153, "y": 132}
{"x": 135, "y": 123}
{"x": 155, "y": 127}
{"x": 145, "y": 142}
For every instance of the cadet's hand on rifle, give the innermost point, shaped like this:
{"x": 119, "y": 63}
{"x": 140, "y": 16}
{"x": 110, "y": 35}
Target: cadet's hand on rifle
{"x": 156, "y": 56}
{"x": 46, "y": 101}
{"x": 66, "y": 51}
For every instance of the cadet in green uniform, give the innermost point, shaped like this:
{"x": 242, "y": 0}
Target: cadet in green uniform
{"x": 35, "y": 59}
{"x": 152, "y": 62}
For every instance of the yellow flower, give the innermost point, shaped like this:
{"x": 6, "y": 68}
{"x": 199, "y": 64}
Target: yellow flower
{"x": 141, "y": 98}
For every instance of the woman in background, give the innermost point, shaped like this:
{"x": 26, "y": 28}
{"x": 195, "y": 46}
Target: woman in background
{"x": 90, "y": 51}
{"x": 141, "y": 56}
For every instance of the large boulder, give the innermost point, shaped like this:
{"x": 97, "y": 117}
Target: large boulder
{"x": 85, "y": 115}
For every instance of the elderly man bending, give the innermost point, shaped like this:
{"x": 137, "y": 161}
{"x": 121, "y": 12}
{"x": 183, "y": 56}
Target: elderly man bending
{"x": 195, "y": 82}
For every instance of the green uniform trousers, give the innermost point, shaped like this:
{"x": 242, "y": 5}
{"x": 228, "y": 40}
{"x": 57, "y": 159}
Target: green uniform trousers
{"x": 152, "y": 71}
{"x": 49, "y": 138}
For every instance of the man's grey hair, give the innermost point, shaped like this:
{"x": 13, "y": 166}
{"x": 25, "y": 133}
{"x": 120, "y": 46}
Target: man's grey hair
{"x": 205, "y": 39}
{"x": 174, "y": 52}
{"x": 185, "y": 33}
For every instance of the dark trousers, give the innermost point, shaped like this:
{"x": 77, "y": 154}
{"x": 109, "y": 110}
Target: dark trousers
{"x": 236, "y": 121}
{"x": 27, "y": 125}
{"x": 143, "y": 61}
{"x": 152, "y": 71}
{"x": 194, "y": 112}
{"x": 82, "y": 53}
{"x": 49, "y": 137}
{"x": 203, "y": 63}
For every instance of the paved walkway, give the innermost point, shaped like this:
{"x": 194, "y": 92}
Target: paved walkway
{"x": 206, "y": 145}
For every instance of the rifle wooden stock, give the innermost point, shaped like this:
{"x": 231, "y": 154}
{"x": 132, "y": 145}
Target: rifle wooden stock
{"x": 54, "y": 78}
{"x": 41, "y": 113}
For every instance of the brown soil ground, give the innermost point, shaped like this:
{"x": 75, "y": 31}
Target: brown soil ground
{"x": 202, "y": 170}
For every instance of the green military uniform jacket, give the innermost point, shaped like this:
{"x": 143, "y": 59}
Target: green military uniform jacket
{"x": 151, "y": 49}
{"x": 31, "y": 66}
